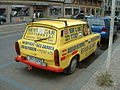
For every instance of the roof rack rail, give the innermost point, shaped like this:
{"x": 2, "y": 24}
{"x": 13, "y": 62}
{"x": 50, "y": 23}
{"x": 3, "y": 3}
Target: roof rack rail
{"x": 60, "y": 21}
{"x": 54, "y": 20}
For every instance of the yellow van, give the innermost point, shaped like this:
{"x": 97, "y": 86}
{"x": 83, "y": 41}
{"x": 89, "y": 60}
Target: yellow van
{"x": 56, "y": 45}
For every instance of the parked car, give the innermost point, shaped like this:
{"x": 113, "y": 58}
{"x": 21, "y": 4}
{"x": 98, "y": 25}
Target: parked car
{"x": 101, "y": 25}
{"x": 78, "y": 16}
{"x": 56, "y": 45}
{"x": 2, "y": 19}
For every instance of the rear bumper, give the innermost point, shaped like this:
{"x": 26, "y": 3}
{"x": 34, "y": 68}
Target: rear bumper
{"x": 38, "y": 65}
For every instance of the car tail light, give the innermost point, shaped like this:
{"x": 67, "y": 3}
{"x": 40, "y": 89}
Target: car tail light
{"x": 56, "y": 57}
{"x": 104, "y": 29}
{"x": 17, "y": 48}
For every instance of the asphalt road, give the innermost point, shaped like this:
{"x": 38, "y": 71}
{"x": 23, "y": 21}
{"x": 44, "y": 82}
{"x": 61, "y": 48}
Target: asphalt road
{"x": 15, "y": 76}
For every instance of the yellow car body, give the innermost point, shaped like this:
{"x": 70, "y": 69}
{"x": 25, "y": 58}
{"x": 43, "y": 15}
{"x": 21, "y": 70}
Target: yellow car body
{"x": 52, "y": 44}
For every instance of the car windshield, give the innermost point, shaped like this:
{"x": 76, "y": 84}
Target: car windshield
{"x": 96, "y": 22}
{"x": 41, "y": 34}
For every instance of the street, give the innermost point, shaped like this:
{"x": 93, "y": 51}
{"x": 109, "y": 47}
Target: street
{"x": 15, "y": 76}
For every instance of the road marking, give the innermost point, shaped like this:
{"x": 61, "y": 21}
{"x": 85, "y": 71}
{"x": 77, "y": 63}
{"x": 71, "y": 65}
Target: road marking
{"x": 11, "y": 31}
{"x": 13, "y": 25}
{"x": 14, "y": 83}
{"x": 11, "y": 35}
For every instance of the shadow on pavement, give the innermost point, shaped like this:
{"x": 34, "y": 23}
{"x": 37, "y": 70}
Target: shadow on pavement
{"x": 89, "y": 60}
{"x": 104, "y": 45}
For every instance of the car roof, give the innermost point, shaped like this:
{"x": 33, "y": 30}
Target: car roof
{"x": 59, "y": 23}
{"x": 98, "y": 17}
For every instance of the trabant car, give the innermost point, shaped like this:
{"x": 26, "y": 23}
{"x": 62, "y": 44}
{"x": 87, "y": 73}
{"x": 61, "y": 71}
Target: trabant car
{"x": 56, "y": 45}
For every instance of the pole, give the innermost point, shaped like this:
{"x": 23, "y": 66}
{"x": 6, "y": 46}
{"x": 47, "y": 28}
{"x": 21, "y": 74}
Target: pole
{"x": 63, "y": 8}
{"x": 104, "y": 7}
{"x": 110, "y": 36}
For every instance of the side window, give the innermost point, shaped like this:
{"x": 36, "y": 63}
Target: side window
{"x": 86, "y": 30}
{"x": 72, "y": 33}
{"x": 80, "y": 33}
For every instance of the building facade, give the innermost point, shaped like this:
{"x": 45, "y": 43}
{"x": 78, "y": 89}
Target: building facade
{"x": 25, "y": 10}
{"x": 108, "y": 5}
{"x": 88, "y": 7}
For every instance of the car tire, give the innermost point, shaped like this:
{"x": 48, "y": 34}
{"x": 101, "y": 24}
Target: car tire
{"x": 1, "y": 22}
{"x": 72, "y": 67}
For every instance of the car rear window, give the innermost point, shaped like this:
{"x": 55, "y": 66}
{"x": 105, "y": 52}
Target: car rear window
{"x": 38, "y": 33}
{"x": 96, "y": 22}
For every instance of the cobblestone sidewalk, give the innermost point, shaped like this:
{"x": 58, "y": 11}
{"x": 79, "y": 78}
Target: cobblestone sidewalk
{"x": 114, "y": 70}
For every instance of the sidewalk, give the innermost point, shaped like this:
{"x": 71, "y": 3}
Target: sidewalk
{"x": 114, "y": 69}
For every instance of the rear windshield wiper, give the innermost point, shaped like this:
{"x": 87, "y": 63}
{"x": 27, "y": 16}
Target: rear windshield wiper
{"x": 41, "y": 39}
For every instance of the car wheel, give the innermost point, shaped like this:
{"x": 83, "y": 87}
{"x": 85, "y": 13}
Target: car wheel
{"x": 72, "y": 66}
{"x": 1, "y": 22}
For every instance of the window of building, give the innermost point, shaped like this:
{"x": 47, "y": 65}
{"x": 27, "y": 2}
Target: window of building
{"x": 82, "y": 10}
{"x": 68, "y": 11}
{"x": 20, "y": 11}
{"x": 55, "y": 10}
{"x": 88, "y": 11}
{"x": 97, "y": 11}
{"x": 2, "y": 12}
{"x": 75, "y": 10}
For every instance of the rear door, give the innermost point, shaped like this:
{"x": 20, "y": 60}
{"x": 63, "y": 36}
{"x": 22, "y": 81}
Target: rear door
{"x": 40, "y": 42}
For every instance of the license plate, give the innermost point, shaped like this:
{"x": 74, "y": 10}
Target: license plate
{"x": 35, "y": 60}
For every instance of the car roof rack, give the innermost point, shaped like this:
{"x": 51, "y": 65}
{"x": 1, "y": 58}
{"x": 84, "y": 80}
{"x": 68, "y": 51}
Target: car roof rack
{"x": 55, "y": 20}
